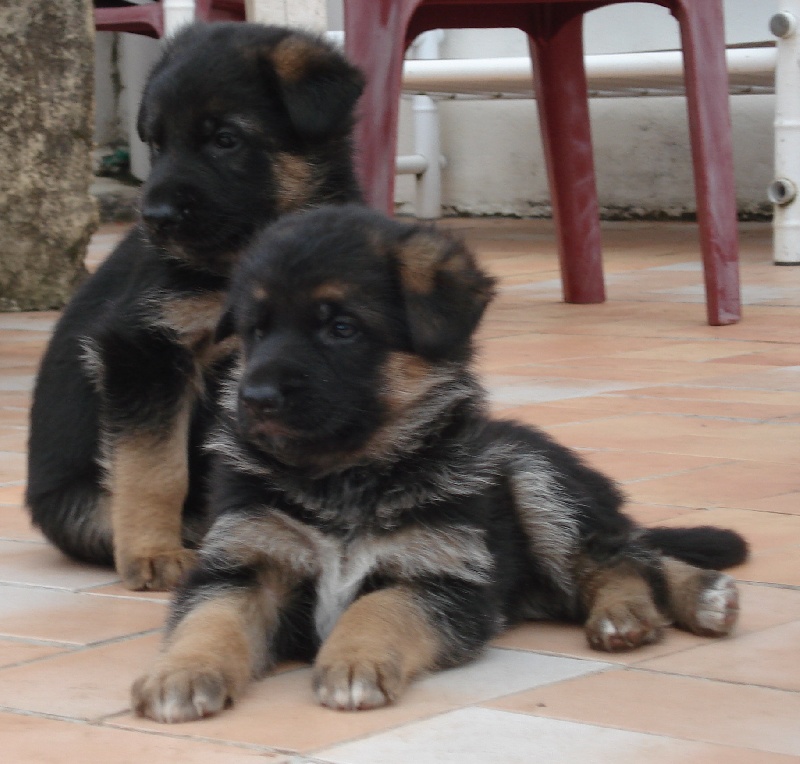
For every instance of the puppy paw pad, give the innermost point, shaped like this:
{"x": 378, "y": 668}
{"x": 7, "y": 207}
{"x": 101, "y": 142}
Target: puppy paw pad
{"x": 180, "y": 696}
{"x": 355, "y": 688}
{"x": 717, "y": 607}
{"x": 624, "y": 629}
{"x": 157, "y": 572}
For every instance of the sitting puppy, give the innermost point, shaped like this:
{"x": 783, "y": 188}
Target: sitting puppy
{"x": 371, "y": 514}
{"x": 244, "y": 122}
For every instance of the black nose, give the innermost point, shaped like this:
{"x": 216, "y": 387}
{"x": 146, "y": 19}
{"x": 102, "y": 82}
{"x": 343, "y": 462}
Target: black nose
{"x": 162, "y": 217}
{"x": 262, "y": 397}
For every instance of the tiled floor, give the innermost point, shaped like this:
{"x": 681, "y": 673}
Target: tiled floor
{"x": 700, "y": 424}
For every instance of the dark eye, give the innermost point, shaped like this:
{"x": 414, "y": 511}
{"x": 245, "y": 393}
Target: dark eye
{"x": 225, "y": 139}
{"x": 343, "y": 328}
{"x": 155, "y": 148}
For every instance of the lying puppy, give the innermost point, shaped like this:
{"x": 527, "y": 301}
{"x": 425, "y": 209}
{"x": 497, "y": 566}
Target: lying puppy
{"x": 244, "y": 122}
{"x": 371, "y": 514}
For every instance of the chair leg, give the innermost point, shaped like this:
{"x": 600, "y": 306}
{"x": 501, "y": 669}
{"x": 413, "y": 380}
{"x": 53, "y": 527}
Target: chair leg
{"x": 706, "y": 77}
{"x": 375, "y": 41}
{"x": 561, "y": 96}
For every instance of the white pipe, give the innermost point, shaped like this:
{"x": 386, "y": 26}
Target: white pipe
{"x": 782, "y": 191}
{"x": 411, "y": 164}
{"x": 747, "y": 67}
{"x": 427, "y": 143}
{"x": 177, "y": 13}
{"x": 427, "y": 140}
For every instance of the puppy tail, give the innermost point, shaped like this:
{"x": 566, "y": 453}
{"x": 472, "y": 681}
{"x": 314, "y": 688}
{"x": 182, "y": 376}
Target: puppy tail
{"x": 74, "y": 519}
{"x": 704, "y": 546}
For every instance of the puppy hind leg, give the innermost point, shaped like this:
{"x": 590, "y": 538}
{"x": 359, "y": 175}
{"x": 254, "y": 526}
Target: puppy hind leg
{"x": 704, "y": 602}
{"x": 209, "y": 657}
{"x": 76, "y": 519}
{"x": 622, "y": 611}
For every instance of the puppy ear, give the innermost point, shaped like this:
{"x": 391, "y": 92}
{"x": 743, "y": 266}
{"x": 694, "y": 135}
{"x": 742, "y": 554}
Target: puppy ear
{"x": 445, "y": 292}
{"x": 225, "y": 326}
{"x": 319, "y": 86}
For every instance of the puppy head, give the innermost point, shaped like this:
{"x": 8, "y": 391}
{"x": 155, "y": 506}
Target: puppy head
{"x": 356, "y": 333}
{"x": 244, "y": 122}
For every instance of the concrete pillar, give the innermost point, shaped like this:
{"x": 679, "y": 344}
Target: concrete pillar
{"x": 46, "y": 98}
{"x": 307, "y": 14}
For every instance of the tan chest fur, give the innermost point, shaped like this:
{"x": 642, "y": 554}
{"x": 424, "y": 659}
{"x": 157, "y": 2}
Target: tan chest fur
{"x": 194, "y": 320}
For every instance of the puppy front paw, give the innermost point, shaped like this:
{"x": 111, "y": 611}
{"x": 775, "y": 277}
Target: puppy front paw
{"x": 159, "y": 571}
{"x": 356, "y": 685}
{"x": 180, "y": 694}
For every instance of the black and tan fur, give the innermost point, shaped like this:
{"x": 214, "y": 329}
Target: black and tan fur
{"x": 370, "y": 516}
{"x": 245, "y": 123}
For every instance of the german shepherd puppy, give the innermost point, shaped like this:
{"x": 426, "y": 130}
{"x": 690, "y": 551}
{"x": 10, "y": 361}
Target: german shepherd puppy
{"x": 245, "y": 123}
{"x": 371, "y": 515}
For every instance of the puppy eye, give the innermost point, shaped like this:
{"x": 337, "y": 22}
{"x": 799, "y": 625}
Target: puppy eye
{"x": 225, "y": 139}
{"x": 155, "y": 148}
{"x": 343, "y": 328}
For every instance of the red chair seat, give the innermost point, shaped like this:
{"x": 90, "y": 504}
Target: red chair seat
{"x": 148, "y": 19}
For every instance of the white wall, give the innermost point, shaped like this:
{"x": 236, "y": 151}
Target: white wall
{"x": 642, "y": 153}
{"x": 493, "y": 148}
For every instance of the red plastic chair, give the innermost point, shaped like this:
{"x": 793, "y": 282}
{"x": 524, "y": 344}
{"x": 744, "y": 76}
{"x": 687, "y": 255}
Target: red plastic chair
{"x": 148, "y": 19}
{"x": 377, "y": 32}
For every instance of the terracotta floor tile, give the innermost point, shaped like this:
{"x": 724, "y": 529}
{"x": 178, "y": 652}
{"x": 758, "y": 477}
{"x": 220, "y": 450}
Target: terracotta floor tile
{"x": 15, "y": 522}
{"x": 43, "y": 565}
{"x": 88, "y": 683}
{"x": 693, "y": 436}
{"x": 788, "y": 504}
{"x": 775, "y": 566}
{"x": 783, "y": 356}
{"x": 489, "y": 736}
{"x": 12, "y": 653}
{"x": 715, "y": 394}
{"x": 118, "y": 590}
{"x": 39, "y": 740}
{"x": 640, "y": 401}
{"x": 13, "y": 439}
{"x": 654, "y": 514}
{"x": 72, "y": 618}
{"x": 544, "y": 414}
{"x": 698, "y": 351}
{"x": 629, "y": 467}
{"x": 522, "y": 390}
{"x": 534, "y": 348}
{"x": 15, "y": 400}
{"x": 736, "y": 484}
{"x": 17, "y": 417}
{"x": 676, "y": 707}
{"x": 765, "y": 658}
{"x": 12, "y": 466}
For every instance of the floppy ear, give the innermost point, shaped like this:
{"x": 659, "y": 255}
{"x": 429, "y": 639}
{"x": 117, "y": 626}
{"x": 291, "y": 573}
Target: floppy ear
{"x": 445, "y": 292}
{"x": 318, "y": 85}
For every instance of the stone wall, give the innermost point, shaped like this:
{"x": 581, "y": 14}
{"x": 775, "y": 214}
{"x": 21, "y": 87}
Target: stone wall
{"x": 46, "y": 92}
